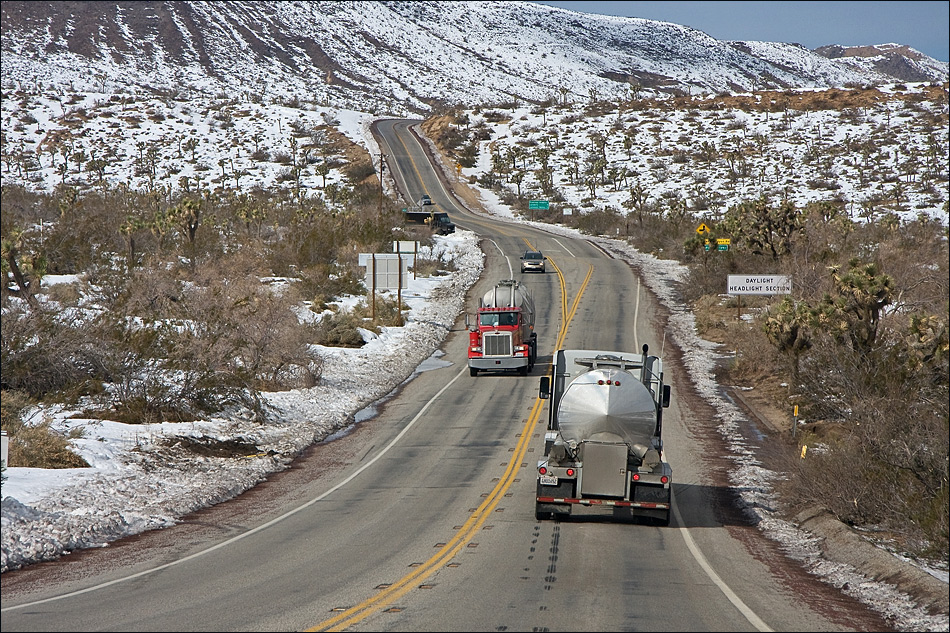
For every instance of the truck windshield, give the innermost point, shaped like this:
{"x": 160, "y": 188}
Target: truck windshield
{"x": 499, "y": 318}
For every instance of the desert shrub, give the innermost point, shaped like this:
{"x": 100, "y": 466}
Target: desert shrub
{"x": 433, "y": 266}
{"x": 426, "y": 267}
{"x": 343, "y": 328}
{"x": 883, "y": 468}
{"x": 242, "y": 335}
{"x": 63, "y": 294}
{"x": 35, "y": 445}
{"x": 340, "y": 328}
{"x": 358, "y": 171}
{"x": 388, "y": 312}
{"x": 45, "y": 354}
{"x": 326, "y": 282}
{"x": 599, "y": 222}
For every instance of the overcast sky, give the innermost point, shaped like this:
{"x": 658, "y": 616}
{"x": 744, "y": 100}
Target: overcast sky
{"x": 920, "y": 25}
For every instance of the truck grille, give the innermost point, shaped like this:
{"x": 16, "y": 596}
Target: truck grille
{"x": 496, "y": 344}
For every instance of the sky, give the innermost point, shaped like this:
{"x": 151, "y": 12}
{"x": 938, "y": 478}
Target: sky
{"x": 920, "y": 25}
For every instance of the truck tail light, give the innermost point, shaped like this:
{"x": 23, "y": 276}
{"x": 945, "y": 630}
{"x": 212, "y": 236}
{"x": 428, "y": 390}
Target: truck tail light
{"x": 664, "y": 479}
{"x": 542, "y": 470}
{"x": 570, "y": 472}
{"x": 636, "y": 476}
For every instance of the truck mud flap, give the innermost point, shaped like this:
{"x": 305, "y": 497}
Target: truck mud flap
{"x": 646, "y": 494}
{"x": 546, "y": 507}
{"x": 564, "y": 489}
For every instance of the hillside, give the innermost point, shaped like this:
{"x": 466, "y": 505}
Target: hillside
{"x": 400, "y": 58}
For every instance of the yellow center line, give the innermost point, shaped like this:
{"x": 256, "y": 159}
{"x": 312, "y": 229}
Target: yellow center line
{"x": 569, "y": 315}
{"x": 400, "y": 588}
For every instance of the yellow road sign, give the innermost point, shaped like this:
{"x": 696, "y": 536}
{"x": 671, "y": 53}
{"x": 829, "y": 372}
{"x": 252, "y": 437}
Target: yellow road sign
{"x": 702, "y": 229}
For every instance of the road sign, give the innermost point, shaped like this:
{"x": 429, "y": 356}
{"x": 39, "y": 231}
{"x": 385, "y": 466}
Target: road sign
{"x": 386, "y": 271}
{"x": 538, "y": 205}
{"x": 722, "y": 244}
{"x": 759, "y": 285}
{"x": 702, "y": 229}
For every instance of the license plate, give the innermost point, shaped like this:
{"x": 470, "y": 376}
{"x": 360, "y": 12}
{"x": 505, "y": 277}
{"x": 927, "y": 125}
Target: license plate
{"x": 548, "y": 480}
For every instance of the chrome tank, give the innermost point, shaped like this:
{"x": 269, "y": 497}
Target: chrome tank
{"x": 604, "y": 402}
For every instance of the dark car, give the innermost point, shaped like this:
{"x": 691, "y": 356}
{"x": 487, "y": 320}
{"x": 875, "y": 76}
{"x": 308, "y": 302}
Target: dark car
{"x": 532, "y": 261}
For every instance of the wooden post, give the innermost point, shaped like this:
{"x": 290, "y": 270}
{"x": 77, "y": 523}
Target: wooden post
{"x": 382, "y": 168}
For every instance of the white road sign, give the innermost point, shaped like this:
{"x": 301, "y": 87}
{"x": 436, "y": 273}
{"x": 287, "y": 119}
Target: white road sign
{"x": 759, "y": 285}
{"x": 391, "y": 270}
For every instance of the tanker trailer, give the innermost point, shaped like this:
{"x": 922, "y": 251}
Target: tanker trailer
{"x": 604, "y": 442}
{"x": 503, "y": 337}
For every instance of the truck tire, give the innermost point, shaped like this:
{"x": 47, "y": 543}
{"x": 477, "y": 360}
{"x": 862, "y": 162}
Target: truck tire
{"x": 472, "y": 371}
{"x": 542, "y": 516}
{"x": 523, "y": 370}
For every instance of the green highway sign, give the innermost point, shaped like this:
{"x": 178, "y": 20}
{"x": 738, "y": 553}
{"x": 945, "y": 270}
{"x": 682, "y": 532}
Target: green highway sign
{"x": 540, "y": 205}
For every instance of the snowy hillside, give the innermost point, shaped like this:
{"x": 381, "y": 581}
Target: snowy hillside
{"x": 397, "y": 57}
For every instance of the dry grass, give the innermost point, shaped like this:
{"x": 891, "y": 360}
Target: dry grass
{"x": 35, "y": 445}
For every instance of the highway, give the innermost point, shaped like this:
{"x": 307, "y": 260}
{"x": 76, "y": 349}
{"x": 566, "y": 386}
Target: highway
{"x": 422, "y": 519}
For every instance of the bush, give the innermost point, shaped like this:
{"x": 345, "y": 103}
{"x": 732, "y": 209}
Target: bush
{"x": 36, "y": 445}
{"x": 340, "y": 329}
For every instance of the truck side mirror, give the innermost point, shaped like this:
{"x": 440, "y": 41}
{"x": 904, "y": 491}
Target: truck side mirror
{"x": 666, "y": 395}
{"x": 545, "y": 391}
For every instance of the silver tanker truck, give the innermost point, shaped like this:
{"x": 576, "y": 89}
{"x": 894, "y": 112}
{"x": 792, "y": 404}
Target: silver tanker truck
{"x": 604, "y": 443}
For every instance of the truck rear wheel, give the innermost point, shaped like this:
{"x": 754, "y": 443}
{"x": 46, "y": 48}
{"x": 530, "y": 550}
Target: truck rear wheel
{"x": 472, "y": 371}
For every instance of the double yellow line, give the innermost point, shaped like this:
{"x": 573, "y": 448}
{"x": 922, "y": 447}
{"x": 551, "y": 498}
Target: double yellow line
{"x": 566, "y": 315}
{"x": 467, "y": 532}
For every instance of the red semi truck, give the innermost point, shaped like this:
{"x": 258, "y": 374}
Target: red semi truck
{"x": 503, "y": 337}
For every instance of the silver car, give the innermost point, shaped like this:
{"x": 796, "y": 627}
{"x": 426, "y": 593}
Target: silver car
{"x": 532, "y": 261}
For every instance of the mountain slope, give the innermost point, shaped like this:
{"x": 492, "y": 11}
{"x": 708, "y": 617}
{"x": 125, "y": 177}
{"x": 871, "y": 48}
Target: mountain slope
{"x": 406, "y": 57}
